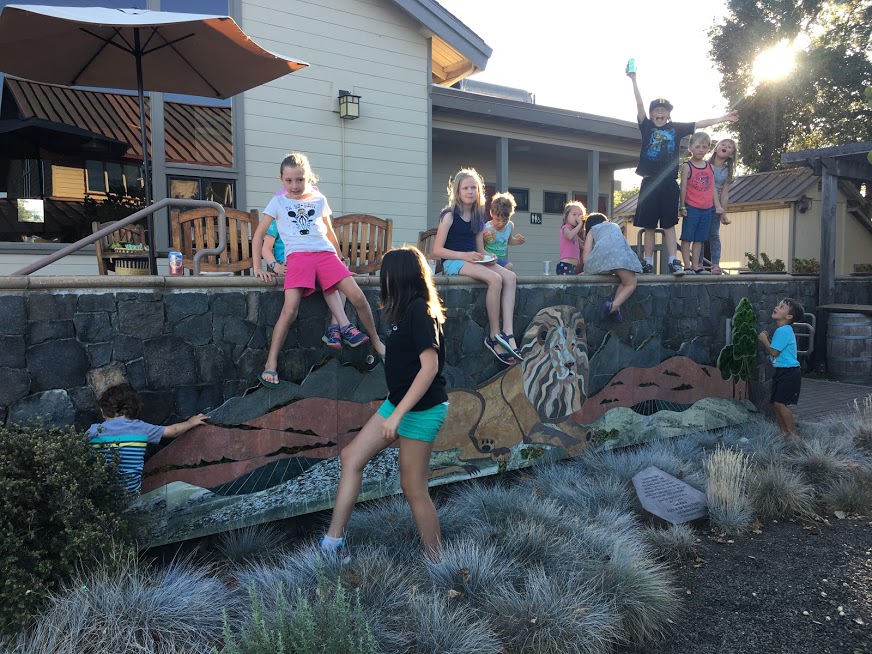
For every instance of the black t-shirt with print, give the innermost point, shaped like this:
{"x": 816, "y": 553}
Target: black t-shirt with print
{"x": 660, "y": 147}
{"x": 416, "y": 332}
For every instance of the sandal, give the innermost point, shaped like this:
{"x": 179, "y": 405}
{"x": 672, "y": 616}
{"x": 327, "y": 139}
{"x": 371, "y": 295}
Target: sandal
{"x": 716, "y": 270}
{"x": 265, "y": 382}
{"x": 503, "y": 339}
{"x": 504, "y": 357}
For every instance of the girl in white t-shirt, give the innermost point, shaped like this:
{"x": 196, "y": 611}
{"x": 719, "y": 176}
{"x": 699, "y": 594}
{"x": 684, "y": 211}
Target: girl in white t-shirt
{"x": 303, "y": 219}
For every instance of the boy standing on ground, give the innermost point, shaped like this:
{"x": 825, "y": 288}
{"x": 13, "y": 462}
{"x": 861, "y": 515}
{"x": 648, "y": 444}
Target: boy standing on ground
{"x": 658, "y": 167}
{"x": 788, "y": 378}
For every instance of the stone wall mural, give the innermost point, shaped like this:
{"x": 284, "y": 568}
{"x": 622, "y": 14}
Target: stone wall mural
{"x": 272, "y": 453}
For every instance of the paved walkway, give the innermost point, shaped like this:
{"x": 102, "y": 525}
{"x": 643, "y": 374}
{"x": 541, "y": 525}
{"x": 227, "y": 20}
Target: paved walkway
{"x": 820, "y": 398}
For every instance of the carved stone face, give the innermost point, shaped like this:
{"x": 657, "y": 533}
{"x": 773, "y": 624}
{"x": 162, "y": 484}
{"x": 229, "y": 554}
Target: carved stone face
{"x": 555, "y": 366}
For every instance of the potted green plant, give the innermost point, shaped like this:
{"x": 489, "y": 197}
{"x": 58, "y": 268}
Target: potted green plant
{"x": 806, "y": 267}
{"x": 862, "y": 270}
{"x": 764, "y": 264}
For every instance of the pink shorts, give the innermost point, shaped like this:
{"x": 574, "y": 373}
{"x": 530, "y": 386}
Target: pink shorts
{"x": 312, "y": 270}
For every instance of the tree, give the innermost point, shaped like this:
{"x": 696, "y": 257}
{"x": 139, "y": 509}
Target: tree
{"x": 623, "y": 195}
{"x": 821, "y": 102}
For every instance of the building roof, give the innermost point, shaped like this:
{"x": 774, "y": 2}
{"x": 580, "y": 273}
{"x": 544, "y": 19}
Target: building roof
{"x": 194, "y": 134}
{"x": 777, "y": 187}
{"x": 502, "y": 111}
{"x": 457, "y": 51}
{"x": 851, "y": 161}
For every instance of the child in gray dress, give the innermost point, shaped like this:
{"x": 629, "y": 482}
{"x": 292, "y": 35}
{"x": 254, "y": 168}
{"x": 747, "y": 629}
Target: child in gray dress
{"x": 607, "y": 251}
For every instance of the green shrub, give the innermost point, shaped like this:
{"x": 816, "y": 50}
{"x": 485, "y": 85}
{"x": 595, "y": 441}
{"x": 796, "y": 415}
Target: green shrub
{"x": 328, "y": 624}
{"x": 764, "y": 263}
{"x": 60, "y": 507}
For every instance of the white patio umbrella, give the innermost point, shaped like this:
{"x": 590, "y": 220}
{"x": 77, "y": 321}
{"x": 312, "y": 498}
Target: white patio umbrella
{"x": 192, "y": 54}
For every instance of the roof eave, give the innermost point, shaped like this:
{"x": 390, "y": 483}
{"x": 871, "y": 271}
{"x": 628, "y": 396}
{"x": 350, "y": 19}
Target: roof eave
{"x": 447, "y": 27}
{"x": 493, "y": 107}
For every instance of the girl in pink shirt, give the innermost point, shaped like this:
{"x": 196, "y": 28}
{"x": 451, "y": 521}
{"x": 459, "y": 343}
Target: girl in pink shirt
{"x": 570, "y": 239}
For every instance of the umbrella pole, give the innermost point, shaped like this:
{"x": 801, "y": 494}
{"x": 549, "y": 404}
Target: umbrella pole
{"x": 146, "y": 168}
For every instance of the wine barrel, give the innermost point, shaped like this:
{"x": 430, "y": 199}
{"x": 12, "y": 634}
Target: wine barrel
{"x": 849, "y": 347}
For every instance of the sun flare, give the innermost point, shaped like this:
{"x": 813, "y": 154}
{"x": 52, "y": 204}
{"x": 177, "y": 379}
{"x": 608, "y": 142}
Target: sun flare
{"x": 775, "y": 63}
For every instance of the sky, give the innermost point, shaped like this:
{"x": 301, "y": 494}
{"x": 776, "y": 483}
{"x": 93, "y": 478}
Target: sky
{"x": 572, "y": 55}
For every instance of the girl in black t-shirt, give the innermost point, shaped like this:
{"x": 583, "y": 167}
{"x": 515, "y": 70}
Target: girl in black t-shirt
{"x": 417, "y": 402}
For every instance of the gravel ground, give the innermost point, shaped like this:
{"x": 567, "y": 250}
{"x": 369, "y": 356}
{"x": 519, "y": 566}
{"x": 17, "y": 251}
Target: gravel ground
{"x": 792, "y": 588}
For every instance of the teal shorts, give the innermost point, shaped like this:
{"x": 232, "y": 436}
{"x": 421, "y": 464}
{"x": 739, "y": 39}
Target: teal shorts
{"x": 419, "y": 425}
{"x": 452, "y": 266}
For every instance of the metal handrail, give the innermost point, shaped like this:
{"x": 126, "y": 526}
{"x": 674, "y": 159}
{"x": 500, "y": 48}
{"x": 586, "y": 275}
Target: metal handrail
{"x": 661, "y": 258}
{"x": 132, "y": 218}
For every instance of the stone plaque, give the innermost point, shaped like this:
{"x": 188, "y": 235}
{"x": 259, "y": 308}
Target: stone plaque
{"x": 668, "y": 497}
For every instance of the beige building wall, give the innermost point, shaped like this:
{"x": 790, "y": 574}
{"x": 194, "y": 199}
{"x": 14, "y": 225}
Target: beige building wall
{"x": 536, "y": 174}
{"x": 377, "y": 164}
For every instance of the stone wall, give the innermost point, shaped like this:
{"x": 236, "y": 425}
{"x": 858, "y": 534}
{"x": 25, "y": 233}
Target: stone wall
{"x": 190, "y": 344}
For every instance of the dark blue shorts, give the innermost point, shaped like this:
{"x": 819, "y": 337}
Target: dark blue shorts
{"x": 786, "y": 384}
{"x": 696, "y": 225}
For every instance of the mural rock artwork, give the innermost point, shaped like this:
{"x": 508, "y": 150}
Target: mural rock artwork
{"x": 272, "y": 453}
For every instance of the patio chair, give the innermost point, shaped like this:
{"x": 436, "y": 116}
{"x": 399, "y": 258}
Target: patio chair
{"x": 197, "y": 230}
{"x": 121, "y": 261}
{"x": 363, "y": 240}
{"x": 425, "y": 244}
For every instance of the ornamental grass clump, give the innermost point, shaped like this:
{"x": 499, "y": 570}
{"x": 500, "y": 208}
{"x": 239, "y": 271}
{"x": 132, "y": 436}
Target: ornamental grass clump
{"x": 552, "y": 614}
{"x": 730, "y": 509}
{"x": 250, "y": 544}
{"x": 863, "y": 424}
{"x": 672, "y": 543}
{"x": 779, "y": 491}
{"x": 852, "y": 495}
{"x": 61, "y": 506}
{"x": 438, "y": 623}
{"x": 129, "y": 608}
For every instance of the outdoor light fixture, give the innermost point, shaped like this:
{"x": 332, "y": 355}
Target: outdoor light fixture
{"x": 349, "y": 105}
{"x": 804, "y": 204}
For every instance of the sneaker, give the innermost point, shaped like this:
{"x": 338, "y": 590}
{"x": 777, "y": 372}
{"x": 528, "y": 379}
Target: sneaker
{"x": 716, "y": 270}
{"x": 352, "y": 336}
{"x": 675, "y": 268}
{"x": 333, "y": 337}
{"x": 616, "y": 316}
{"x": 647, "y": 268}
{"x": 338, "y": 552}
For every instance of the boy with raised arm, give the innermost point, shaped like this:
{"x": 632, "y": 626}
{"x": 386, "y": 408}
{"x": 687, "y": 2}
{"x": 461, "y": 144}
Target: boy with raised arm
{"x": 658, "y": 168}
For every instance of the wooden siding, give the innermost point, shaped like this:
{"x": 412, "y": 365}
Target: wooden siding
{"x": 377, "y": 164}
{"x": 67, "y": 182}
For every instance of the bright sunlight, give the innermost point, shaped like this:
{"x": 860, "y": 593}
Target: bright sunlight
{"x": 775, "y": 63}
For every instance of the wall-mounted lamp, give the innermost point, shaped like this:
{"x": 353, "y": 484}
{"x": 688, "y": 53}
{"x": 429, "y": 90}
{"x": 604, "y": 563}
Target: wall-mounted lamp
{"x": 804, "y": 204}
{"x": 349, "y": 105}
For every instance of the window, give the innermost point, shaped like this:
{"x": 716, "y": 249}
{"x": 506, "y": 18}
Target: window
{"x": 222, "y": 191}
{"x": 522, "y": 198}
{"x": 553, "y": 202}
{"x": 112, "y": 177}
{"x": 602, "y": 206}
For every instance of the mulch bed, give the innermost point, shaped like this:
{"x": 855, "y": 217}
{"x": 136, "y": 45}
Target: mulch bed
{"x": 792, "y": 588}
